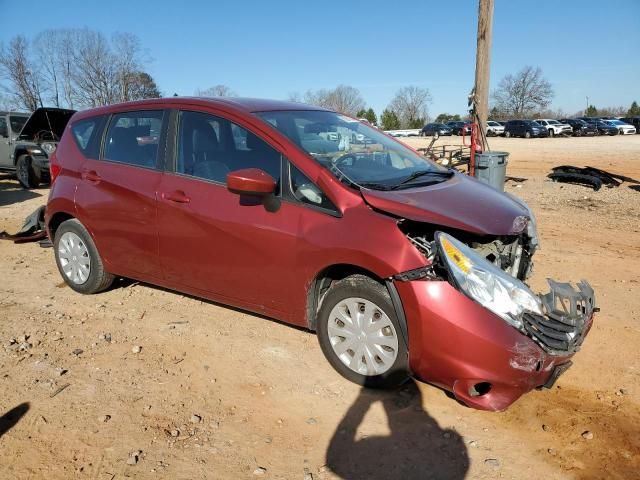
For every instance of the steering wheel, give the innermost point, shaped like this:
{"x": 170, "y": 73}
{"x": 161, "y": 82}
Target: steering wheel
{"x": 341, "y": 160}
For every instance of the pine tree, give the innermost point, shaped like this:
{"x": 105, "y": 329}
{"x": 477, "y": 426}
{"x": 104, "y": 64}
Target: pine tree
{"x": 371, "y": 116}
{"x": 634, "y": 111}
{"x": 389, "y": 120}
{"x": 591, "y": 111}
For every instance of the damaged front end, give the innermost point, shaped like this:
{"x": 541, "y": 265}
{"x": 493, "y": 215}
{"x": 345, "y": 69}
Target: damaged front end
{"x": 492, "y": 271}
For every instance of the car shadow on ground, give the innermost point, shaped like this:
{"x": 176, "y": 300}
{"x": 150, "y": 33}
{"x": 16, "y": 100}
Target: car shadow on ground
{"x": 12, "y": 192}
{"x": 416, "y": 448}
{"x": 13, "y": 416}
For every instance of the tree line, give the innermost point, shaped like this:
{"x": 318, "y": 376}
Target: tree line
{"x": 82, "y": 68}
{"x": 74, "y": 68}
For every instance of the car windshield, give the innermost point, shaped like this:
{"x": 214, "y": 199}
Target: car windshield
{"x": 356, "y": 153}
{"x": 553, "y": 122}
{"x": 617, "y": 122}
{"x": 17, "y": 122}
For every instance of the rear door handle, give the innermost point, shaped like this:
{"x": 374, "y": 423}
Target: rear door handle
{"x": 177, "y": 196}
{"x": 91, "y": 175}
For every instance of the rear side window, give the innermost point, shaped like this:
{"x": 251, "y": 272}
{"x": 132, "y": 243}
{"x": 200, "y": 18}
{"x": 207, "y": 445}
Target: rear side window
{"x": 87, "y": 135}
{"x": 4, "y": 131}
{"x": 133, "y": 138}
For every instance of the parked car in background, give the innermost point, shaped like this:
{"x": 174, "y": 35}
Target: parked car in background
{"x": 580, "y": 127}
{"x": 623, "y": 127}
{"x": 635, "y": 121}
{"x": 554, "y": 127}
{"x": 458, "y": 127}
{"x": 269, "y": 225}
{"x": 524, "y": 128}
{"x": 433, "y": 128}
{"x": 603, "y": 127}
{"x": 494, "y": 128}
{"x": 11, "y": 124}
{"x": 27, "y": 152}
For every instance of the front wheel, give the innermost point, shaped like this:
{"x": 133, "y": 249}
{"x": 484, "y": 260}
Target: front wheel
{"x": 78, "y": 259}
{"x": 551, "y": 133}
{"x": 507, "y": 134}
{"x": 26, "y": 174}
{"x": 360, "y": 334}
{"x": 527, "y": 134}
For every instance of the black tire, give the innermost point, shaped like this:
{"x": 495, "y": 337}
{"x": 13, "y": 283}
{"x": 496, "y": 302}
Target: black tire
{"x": 551, "y": 132}
{"x": 507, "y": 134}
{"x": 26, "y": 174}
{"x": 98, "y": 279}
{"x": 361, "y": 286}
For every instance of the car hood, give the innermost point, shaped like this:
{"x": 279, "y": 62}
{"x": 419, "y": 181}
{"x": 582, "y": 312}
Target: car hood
{"x": 460, "y": 202}
{"x": 48, "y": 119}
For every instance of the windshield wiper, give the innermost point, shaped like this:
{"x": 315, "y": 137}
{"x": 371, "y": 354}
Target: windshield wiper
{"x": 423, "y": 173}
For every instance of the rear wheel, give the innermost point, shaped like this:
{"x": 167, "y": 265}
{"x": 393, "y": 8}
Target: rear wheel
{"x": 78, "y": 259}
{"x": 527, "y": 134}
{"x": 360, "y": 334}
{"x": 507, "y": 134}
{"x": 26, "y": 174}
{"x": 551, "y": 132}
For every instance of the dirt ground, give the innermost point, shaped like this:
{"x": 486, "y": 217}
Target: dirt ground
{"x": 217, "y": 393}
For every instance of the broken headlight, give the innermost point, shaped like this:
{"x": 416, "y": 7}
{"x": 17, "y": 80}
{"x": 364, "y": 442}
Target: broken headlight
{"x": 485, "y": 283}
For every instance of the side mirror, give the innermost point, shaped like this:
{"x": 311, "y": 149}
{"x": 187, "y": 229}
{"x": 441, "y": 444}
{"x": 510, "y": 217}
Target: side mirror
{"x": 250, "y": 181}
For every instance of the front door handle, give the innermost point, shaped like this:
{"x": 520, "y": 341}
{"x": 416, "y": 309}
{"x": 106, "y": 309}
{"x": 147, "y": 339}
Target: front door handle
{"x": 177, "y": 196}
{"x": 91, "y": 175}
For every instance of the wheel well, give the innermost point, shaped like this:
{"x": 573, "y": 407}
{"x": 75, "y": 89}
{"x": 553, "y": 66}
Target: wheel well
{"x": 18, "y": 153}
{"x": 324, "y": 280}
{"x": 56, "y": 221}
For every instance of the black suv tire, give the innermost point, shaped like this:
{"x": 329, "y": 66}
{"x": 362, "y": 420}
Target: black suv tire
{"x": 26, "y": 174}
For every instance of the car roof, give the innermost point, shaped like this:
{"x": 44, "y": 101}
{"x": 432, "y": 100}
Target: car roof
{"x": 20, "y": 114}
{"x": 237, "y": 104}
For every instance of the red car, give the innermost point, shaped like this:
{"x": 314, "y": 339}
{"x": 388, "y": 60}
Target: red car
{"x": 401, "y": 266}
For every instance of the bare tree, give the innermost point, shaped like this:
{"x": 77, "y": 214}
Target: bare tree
{"x": 523, "y": 94}
{"x": 46, "y": 46}
{"x": 216, "y": 91}
{"x": 127, "y": 54}
{"x": 410, "y": 106}
{"x": 295, "y": 97}
{"x": 23, "y": 76}
{"x": 343, "y": 99}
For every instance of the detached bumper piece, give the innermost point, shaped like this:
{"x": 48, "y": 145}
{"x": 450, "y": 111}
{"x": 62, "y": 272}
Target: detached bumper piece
{"x": 567, "y": 319}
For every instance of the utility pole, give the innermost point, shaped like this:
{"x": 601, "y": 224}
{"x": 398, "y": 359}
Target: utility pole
{"x": 483, "y": 63}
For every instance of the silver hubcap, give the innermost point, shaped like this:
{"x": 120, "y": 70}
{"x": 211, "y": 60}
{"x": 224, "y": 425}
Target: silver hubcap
{"x": 362, "y": 336}
{"x": 74, "y": 258}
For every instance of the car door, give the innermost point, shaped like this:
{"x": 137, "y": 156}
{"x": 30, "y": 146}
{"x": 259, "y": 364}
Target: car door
{"x": 116, "y": 194}
{"x": 6, "y": 142}
{"x": 215, "y": 243}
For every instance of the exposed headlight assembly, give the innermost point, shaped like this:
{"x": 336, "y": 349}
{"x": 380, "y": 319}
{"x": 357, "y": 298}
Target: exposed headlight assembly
{"x": 49, "y": 147}
{"x": 485, "y": 283}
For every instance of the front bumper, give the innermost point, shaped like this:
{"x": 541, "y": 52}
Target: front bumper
{"x": 459, "y": 345}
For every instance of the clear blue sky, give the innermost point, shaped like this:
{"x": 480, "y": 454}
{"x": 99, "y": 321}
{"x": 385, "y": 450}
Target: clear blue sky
{"x": 268, "y": 48}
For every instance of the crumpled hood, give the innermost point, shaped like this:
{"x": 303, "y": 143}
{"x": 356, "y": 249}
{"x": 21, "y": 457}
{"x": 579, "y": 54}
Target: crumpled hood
{"x": 49, "y": 119}
{"x": 460, "y": 202}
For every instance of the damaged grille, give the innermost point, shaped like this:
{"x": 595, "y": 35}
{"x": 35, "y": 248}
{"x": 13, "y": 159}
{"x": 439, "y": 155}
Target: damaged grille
{"x": 567, "y": 317}
{"x": 510, "y": 254}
